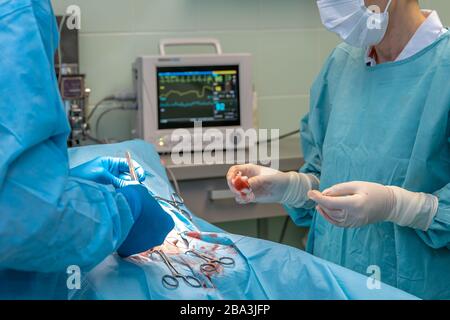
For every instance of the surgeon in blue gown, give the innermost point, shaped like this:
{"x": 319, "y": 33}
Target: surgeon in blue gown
{"x": 374, "y": 188}
{"x": 53, "y": 217}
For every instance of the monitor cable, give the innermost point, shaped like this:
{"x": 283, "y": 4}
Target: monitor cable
{"x": 283, "y": 136}
{"x": 101, "y": 115}
{"x": 122, "y": 97}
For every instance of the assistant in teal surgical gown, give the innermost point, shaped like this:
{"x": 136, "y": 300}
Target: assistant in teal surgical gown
{"x": 388, "y": 124}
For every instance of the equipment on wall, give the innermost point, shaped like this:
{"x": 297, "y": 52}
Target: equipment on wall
{"x": 71, "y": 83}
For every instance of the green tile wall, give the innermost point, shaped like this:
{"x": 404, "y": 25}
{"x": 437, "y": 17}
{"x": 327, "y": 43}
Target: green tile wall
{"x": 285, "y": 37}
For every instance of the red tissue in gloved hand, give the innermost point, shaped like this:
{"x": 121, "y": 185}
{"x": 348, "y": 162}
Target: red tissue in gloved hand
{"x": 241, "y": 184}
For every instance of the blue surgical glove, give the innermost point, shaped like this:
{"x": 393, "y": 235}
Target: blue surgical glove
{"x": 151, "y": 223}
{"x": 108, "y": 170}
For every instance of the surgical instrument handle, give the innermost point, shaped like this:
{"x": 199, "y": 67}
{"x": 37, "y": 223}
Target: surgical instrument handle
{"x": 225, "y": 261}
{"x": 133, "y": 174}
{"x": 171, "y": 280}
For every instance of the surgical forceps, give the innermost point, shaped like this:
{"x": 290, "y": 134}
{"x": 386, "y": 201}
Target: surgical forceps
{"x": 171, "y": 281}
{"x": 211, "y": 264}
{"x": 177, "y": 201}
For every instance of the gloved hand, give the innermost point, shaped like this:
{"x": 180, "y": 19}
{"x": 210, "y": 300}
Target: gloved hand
{"x": 151, "y": 223}
{"x": 266, "y": 185}
{"x": 108, "y": 170}
{"x": 355, "y": 204}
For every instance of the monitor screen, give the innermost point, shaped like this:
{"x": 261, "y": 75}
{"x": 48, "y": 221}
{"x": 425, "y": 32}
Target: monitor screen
{"x": 209, "y": 94}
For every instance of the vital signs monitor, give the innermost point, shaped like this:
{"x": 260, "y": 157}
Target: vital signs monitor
{"x": 183, "y": 91}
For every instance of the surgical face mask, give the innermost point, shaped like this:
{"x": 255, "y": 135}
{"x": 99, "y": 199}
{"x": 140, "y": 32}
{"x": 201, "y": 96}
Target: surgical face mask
{"x": 356, "y": 24}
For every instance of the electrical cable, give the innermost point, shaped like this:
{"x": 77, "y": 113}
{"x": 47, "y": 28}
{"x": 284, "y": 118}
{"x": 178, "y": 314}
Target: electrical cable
{"x": 289, "y": 134}
{"x": 108, "y": 98}
{"x": 284, "y": 229}
{"x": 174, "y": 180}
{"x": 122, "y": 97}
{"x": 94, "y": 139}
{"x": 284, "y": 136}
{"x": 100, "y": 117}
{"x": 97, "y": 123}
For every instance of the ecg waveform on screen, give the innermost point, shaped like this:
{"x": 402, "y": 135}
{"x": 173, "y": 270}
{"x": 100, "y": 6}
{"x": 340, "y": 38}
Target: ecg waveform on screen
{"x": 204, "y": 95}
{"x": 199, "y": 93}
{"x": 186, "y": 104}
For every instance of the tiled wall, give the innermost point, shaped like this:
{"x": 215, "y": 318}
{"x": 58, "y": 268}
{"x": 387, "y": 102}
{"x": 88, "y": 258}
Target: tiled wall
{"x": 286, "y": 38}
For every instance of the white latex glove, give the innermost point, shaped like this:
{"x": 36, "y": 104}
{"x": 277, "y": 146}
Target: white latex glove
{"x": 356, "y": 204}
{"x": 265, "y": 185}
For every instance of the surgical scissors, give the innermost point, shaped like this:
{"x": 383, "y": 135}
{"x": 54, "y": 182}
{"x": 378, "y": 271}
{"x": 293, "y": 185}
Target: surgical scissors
{"x": 211, "y": 264}
{"x": 171, "y": 281}
{"x": 177, "y": 201}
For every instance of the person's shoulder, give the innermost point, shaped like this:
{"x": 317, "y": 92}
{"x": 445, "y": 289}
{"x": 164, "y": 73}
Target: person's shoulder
{"x": 344, "y": 54}
{"x": 443, "y": 46}
{"x": 346, "y": 51}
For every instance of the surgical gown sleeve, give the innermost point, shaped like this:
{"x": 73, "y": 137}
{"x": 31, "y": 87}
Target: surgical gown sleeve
{"x": 438, "y": 235}
{"x": 49, "y": 220}
{"x": 312, "y": 129}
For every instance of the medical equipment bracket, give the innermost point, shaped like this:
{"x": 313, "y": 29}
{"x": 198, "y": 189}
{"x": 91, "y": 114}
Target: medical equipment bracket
{"x": 189, "y": 42}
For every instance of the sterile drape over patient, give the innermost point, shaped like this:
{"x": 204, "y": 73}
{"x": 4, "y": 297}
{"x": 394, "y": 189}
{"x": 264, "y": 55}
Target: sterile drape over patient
{"x": 260, "y": 269}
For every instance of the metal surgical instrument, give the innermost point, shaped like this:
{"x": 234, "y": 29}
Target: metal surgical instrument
{"x": 177, "y": 201}
{"x": 133, "y": 174}
{"x": 171, "y": 281}
{"x": 211, "y": 264}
